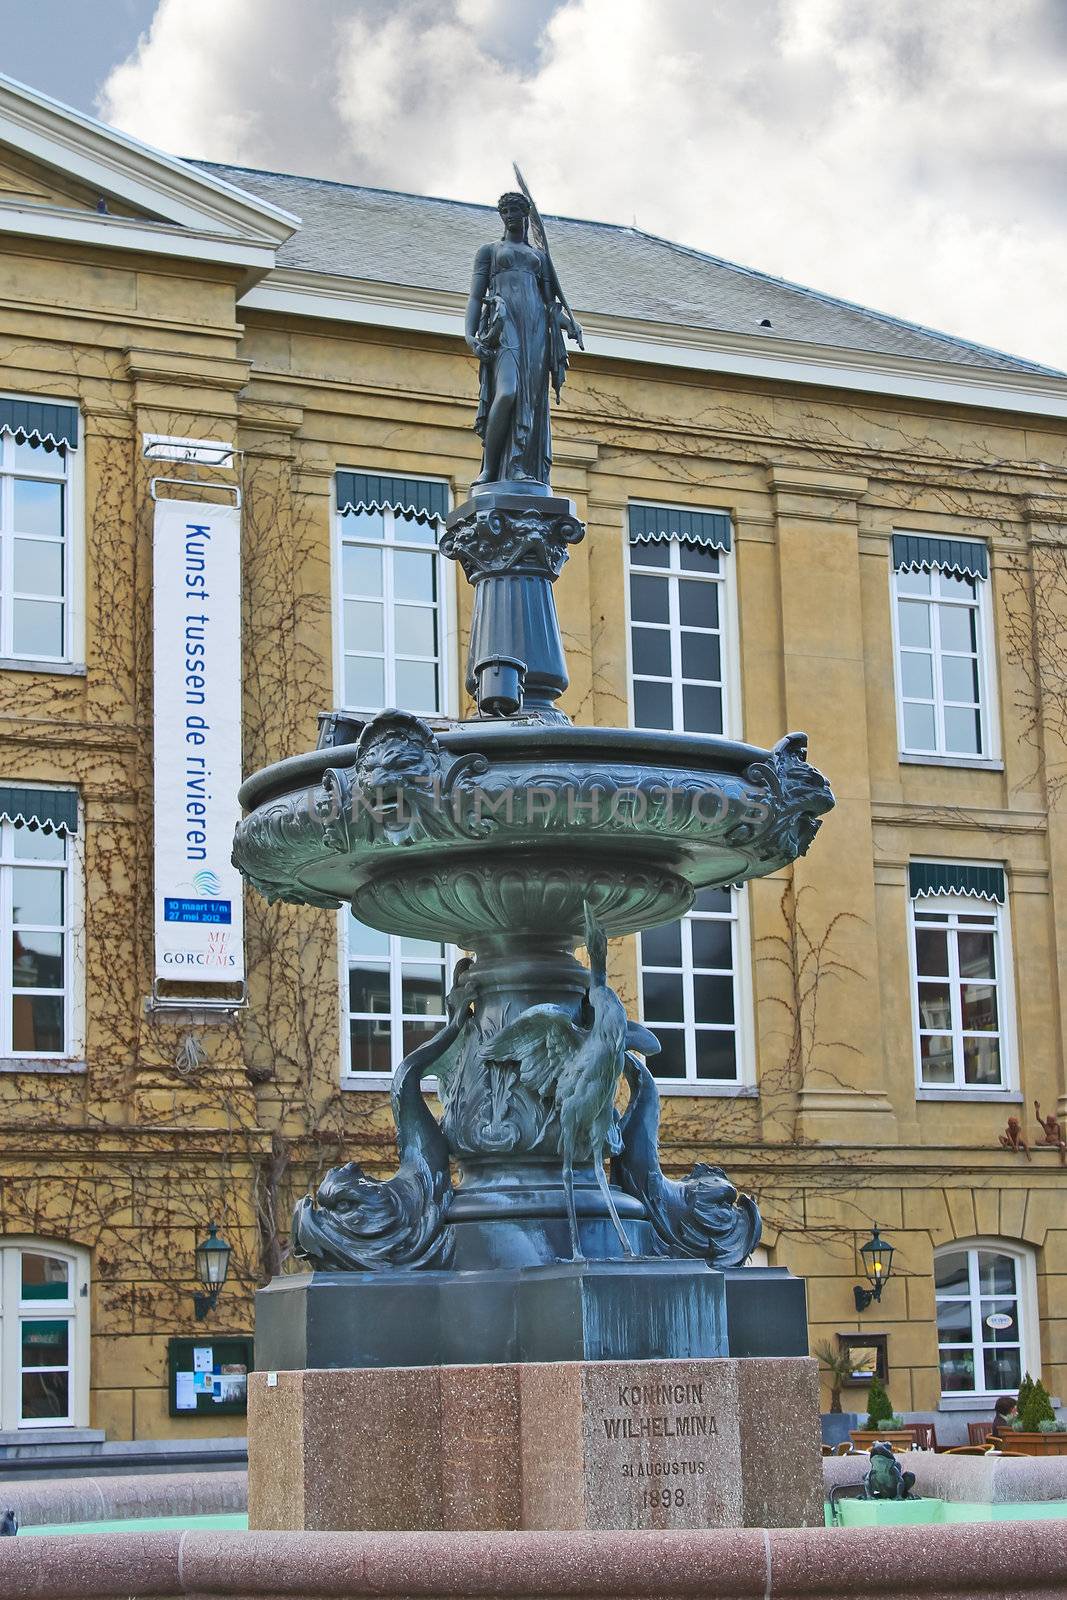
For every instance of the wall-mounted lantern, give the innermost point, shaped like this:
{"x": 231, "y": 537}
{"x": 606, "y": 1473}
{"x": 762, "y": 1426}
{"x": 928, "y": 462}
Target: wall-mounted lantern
{"x": 877, "y": 1258}
{"x": 212, "y": 1265}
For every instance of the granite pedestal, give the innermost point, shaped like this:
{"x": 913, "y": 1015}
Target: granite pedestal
{"x": 537, "y": 1445}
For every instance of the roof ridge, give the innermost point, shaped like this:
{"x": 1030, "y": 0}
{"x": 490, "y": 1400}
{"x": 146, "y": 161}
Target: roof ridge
{"x": 849, "y": 305}
{"x": 335, "y": 183}
{"x": 947, "y": 341}
{"x": 411, "y": 194}
{"x": 402, "y": 194}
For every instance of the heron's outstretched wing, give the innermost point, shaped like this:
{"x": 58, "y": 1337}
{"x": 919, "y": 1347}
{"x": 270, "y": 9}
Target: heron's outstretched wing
{"x": 542, "y": 1041}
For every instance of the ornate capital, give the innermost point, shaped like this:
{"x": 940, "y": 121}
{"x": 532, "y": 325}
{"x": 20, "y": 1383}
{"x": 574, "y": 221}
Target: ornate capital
{"x": 492, "y": 534}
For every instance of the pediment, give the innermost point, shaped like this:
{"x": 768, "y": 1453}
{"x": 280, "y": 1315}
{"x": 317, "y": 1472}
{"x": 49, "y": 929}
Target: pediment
{"x": 56, "y": 164}
{"x": 66, "y": 156}
{"x": 27, "y": 182}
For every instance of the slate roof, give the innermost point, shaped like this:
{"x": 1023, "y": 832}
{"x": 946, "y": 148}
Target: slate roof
{"x": 382, "y": 236}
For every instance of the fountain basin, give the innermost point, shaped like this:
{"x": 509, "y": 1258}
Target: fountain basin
{"x": 514, "y": 838}
{"x": 472, "y": 831}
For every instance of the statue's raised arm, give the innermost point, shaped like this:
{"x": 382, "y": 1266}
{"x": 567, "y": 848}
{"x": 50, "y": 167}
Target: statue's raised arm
{"x": 516, "y": 323}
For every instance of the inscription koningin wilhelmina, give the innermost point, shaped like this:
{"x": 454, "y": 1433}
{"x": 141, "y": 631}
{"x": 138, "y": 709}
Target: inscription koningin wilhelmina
{"x": 666, "y": 1423}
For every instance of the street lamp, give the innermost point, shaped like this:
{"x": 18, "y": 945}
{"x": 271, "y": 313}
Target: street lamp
{"x": 212, "y": 1265}
{"x": 877, "y": 1258}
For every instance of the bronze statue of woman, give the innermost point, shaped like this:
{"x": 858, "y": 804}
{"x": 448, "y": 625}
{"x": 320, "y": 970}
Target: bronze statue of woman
{"x": 516, "y": 321}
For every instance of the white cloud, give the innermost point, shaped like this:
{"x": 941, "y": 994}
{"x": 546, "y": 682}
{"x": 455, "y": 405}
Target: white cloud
{"x": 908, "y": 157}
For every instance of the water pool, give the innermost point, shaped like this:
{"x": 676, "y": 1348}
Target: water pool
{"x": 851, "y": 1514}
{"x": 912, "y": 1513}
{"x": 224, "y": 1519}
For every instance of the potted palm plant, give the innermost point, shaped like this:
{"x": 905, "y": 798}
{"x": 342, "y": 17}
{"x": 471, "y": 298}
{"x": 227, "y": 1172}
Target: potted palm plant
{"x": 838, "y": 1364}
{"x": 837, "y": 1422}
{"x": 883, "y": 1425}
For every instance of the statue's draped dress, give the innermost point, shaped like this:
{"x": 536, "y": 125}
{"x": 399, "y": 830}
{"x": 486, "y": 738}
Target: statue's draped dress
{"x": 517, "y": 316}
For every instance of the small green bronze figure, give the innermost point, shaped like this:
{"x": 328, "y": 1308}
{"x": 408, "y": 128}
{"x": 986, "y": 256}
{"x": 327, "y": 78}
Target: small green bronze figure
{"x": 885, "y": 1479}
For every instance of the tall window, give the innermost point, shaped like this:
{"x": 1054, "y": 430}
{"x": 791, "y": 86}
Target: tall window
{"x": 676, "y": 635}
{"x": 693, "y": 972}
{"x": 35, "y": 922}
{"x": 44, "y": 1354}
{"x": 35, "y": 512}
{"x": 941, "y": 623}
{"x": 391, "y": 631}
{"x": 689, "y": 991}
{"x": 391, "y": 596}
{"x": 396, "y": 990}
{"x": 982, "y": 1333}
{"x": 962, "y": 999}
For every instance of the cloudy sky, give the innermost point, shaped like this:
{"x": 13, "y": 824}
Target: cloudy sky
{"x": 908, "y": 154}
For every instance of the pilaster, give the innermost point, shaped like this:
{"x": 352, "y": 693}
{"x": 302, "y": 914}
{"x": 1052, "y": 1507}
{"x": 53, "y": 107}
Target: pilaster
{"x": 1046, "y": 675}
{"x": 186, "y": 382}
{"x": 573, "y": 460}
{"x": 834, "y": 933}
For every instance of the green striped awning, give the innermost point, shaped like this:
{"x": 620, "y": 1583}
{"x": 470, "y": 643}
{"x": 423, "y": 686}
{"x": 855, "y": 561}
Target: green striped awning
{"x": 52, "y": 809}
{"x": 956, "y": 877}
{"x": 710, "y": 528}
{"x": 409, "y": 497}
{"x": 40, "y": 421}
{"x": 913, "y": 552}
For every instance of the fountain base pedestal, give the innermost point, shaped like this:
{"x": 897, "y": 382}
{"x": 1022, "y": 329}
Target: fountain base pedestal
{"x": 636, "y": 1309}
{"x": 549, "y": 1445}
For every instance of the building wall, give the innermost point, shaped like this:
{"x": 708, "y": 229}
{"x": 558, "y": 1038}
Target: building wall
{"x": 132, "y": 1157}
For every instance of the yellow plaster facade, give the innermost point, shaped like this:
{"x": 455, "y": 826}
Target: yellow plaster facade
{"x": 131, "y": 1154}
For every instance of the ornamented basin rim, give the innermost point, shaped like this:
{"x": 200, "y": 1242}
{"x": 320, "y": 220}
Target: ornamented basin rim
{"x": 702, "y": 753}
{"x": 315, "y": 842}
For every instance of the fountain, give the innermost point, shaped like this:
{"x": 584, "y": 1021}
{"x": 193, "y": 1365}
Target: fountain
{"x": 500, "y": 1243}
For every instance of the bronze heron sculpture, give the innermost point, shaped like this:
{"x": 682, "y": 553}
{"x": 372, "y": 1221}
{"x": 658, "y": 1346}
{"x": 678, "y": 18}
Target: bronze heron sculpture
{"x": 574, "y": 1065}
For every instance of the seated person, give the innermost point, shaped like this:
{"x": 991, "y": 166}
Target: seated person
{"x": 1004, "y": 1414}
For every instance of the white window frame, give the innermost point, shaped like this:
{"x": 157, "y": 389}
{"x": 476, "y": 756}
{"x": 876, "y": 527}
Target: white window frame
{"x": 1029, "y": 1321}
{"x": 987, "y": 681}
{"x": 967, "y": 905}
{"x": 396, "y": 1016}
{"x": 448, "y": 679}
{"x": 71, "y": 1057}
{"x": 729, "y": 666}
{"x": 737, "y": 918}
{"x": 728, "y": 635}
{"x": 14, "y": 1311}
{"x": 73, "y": 554}
{"x": 447, "y": 628}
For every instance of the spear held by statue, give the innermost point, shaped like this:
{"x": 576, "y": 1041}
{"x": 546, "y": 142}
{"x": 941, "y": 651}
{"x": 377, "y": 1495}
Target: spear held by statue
{"x": 559, "y": 360}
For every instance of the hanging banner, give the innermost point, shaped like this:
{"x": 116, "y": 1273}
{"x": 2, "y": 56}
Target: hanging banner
{"x": 197, "y": 609}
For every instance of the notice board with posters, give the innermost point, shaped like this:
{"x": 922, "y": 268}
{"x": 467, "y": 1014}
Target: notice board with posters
{"x": 208, "y": 1376}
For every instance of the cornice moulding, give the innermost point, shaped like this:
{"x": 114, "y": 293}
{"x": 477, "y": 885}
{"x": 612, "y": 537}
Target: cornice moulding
{"x": 575, "y": 452}
{"x": 228, "y": 373}
{"x": 1047, "y": 513}
{"x": 306, "y": 294}
{"x": 946, "y": 1166}
{"x": 749, "y": 450}
{"x": 265, "y": 418}
{"x": 808, "y": 480}
{"x": 969, "y": 818}
{"x": 132, "y": 234}
{"x": 73, "y": 325}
